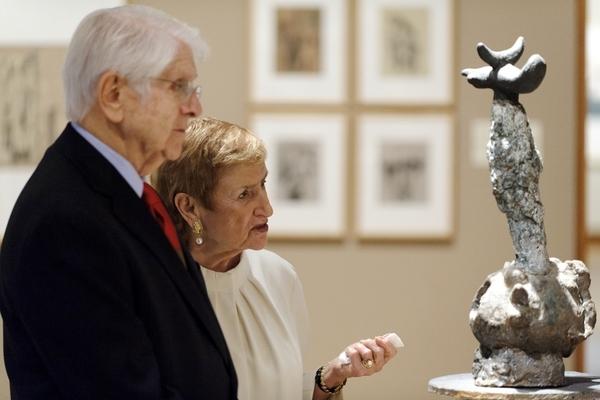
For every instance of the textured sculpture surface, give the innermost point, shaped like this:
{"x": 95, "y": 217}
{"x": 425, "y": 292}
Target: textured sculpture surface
{"x": 535, "y": 310}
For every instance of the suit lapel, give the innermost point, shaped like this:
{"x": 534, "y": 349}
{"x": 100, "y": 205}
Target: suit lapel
{"x": 140, "y": 223}
{"x": 132, "y": 212}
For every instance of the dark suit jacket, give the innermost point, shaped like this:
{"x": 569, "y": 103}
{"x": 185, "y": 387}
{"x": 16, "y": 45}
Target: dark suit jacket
{"x": 96, "y": 304}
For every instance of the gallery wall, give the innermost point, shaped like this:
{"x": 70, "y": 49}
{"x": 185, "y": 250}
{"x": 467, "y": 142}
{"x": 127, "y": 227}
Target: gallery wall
{"x": 421, "y": 289}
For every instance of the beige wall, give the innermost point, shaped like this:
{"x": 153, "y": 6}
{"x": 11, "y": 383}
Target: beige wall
{"x": 422, "y": 291}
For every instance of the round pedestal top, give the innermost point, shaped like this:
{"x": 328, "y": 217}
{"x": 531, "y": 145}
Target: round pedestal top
{"x": 579, "y": 386}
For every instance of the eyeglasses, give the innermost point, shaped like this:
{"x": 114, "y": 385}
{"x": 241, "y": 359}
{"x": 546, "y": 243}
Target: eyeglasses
{"x": 183, "y": 89}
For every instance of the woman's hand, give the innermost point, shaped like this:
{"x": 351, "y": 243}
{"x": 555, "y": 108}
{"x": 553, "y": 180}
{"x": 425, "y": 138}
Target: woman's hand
{"x": 366, "y": 357}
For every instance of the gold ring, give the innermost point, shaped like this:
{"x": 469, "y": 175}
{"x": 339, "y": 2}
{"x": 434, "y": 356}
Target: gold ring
{"x": 367, "y": 363}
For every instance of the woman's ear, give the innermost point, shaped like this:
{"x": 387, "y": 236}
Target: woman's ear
{"x": 188, "y": 207}
{"x": 110, "y": 95}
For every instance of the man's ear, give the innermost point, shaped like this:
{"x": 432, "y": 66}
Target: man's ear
{"x": 189, "y": 208}
{"x": 110, "y": 90}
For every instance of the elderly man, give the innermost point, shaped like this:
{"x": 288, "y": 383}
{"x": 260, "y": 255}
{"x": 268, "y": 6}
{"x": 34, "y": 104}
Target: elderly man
{"x": 98, "y": 298}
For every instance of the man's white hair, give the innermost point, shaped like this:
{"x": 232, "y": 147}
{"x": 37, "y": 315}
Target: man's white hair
{"x": 135, "y": 41}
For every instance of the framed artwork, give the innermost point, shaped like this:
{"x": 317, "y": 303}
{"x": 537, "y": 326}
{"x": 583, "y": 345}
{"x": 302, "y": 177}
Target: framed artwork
{"x": 32, "y": 104}
{"x": 405, "y": 51}
{"x": 592, "y": 183}
{"x": 404, "y": 177}
{"x": 298, "y": 51}
{"x": 31, "y": 116}
{"x": 307, "y": 181}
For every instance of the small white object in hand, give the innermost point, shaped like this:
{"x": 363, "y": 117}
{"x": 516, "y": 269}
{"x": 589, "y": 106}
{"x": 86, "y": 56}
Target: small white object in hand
{"x": 392, "y": 338}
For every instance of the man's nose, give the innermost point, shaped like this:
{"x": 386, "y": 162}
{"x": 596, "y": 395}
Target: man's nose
{"x": 193, "y": 107}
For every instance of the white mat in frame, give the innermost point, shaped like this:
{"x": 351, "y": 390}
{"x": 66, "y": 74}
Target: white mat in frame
{"x": 405, "y": 176}
{"x": 307, "y": 173}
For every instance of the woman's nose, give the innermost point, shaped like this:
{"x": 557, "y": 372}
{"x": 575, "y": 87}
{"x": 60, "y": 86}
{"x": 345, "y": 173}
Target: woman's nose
{"x": 265, "y": 206}
{"x": 269, "y": 209}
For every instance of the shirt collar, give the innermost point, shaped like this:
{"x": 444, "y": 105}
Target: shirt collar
{"x": 120, "y": 163}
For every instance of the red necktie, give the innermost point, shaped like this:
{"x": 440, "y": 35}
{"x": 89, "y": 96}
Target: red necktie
{"x": 160, "y": 214}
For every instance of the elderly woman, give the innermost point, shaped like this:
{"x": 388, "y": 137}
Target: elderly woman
{"x": 216, "y": 194}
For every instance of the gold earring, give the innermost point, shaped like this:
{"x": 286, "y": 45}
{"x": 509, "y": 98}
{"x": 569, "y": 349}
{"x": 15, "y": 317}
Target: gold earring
{"x": 197, "y": 228}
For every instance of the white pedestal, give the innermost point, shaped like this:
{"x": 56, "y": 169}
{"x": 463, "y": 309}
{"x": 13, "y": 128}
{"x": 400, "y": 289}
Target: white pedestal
{"x": 579, "y": 387}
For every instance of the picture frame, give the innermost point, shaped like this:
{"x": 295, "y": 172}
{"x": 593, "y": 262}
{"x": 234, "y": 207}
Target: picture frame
{"x": 33, "y": 103}
{"x": 32, "y": 117}
{"x": 307, "y": 173}
{"x": 592, "y": 184}
{"x": 405, "y": 177}
{"x": 405, "y": 54}
{"x": 298, "y": 51}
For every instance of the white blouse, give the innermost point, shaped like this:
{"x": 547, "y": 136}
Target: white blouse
{"x": 261, "y": 308}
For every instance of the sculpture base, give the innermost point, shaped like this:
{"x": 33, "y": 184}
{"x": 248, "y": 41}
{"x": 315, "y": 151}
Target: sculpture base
{"x": 578, "y": 386}
{"x": 526, "y": 323}
{"x": 515, "y": 368}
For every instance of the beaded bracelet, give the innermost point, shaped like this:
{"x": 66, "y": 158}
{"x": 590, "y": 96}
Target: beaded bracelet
{"x": 321, "y": 384}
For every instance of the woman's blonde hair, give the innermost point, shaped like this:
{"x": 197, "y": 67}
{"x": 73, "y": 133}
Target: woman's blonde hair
{"x": 210, "y": 146}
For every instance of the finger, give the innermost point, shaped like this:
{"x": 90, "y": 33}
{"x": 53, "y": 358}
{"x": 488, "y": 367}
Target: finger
{"x": 367, "y": 357}
{"x": 377, "y": 351}
{"x": 389, "y": 351}
{"x": 355, "y": 367}
{"x": 361, "y": 359}
{"x": 365, "y": 351}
